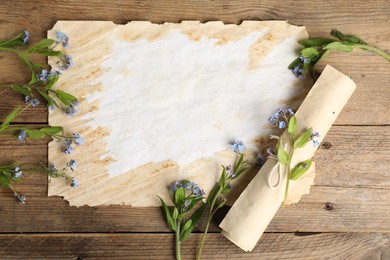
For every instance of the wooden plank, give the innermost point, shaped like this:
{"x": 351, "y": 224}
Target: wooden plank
{"x": 360, "y": 203}
{"x": 326, "y": 209}
{"x": 371, "y": 73}
{"x": 161, "y": 246}
{"x": 350, "y": 156}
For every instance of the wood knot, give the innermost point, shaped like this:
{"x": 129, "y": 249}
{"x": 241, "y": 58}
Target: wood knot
{"x": 326, "y": 145}
{"x": 328, "y": 206}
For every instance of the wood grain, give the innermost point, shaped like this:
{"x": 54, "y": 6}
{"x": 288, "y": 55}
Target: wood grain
{"x": 352, "y": 192}
{"x": 373, "y": 246}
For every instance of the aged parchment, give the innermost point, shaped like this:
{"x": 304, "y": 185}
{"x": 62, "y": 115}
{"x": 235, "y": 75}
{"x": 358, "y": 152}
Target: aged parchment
{"x": 160, "y": 102}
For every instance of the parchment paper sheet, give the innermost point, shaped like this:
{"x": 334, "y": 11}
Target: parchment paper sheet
{"x": 187, "y": 80}
{"x": 258, "y": 203}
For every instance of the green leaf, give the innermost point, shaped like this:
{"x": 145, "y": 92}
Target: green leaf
{"x": 303, "y": 139}
{"x": 222, "y": 179}
{"x": 35, "y": 133}
{"x": 213, "y": 193}
{"x": 167, "y": 214}
{"x": 51, "y": 83}
{"x": 65, "y": 98}
{"x": 296, "y": 62}
{"x": 49, "y": 99}
{"x": 51, "y": 53}
{"x": 240, "y": 171}
{"x": 339, "y": 47}
{"x": 238, "y": 163}
{"x": 4, "y": 181}
{"x": 10, "y": 117}
{"x": 175, "y": 213}
{"x": 194, "y": 201}
{"x": 187, "y": 225}
{"x": 195, "y": 218}
{"x": 309, "y": 52}
{"x": 315, "y": 42}
{"x": 44, "y": 43}
{"x": 16, "y": 41}
{"x": 283, "y": 157}
{"x": 24, "y": 57}
{"x": 22, "y": 90}
{"x": 292, "y": 125}
{"x": 52, "y": 130}
{"x": 346, "y": 38}
{"x": 300, "y": 169}
{"x": 180, "y": 196}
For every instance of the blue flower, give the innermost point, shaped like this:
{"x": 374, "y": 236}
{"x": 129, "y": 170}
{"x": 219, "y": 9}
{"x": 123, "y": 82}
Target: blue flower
{"x": 62, "y": 38}
{"x": 22, "y": 136}
{"x": 304, "y": 60}
{"x": 74, "y": 183}
{"x": 187, "y": 185}
{"x": 175, "y": 185}
{"x": 20, "y": 198}
{"x": 25, "y": 37}
{"x": 68, "y": 149}
{"x": 280, "y": 117}
{"x": 197, "y": 191}
{"x": 186, "y": 204}
{"x": 260, "y": 161}
{"x": 315, "y": 134}
{"x": 72, "y": 164}
{"x": 271, "y": 152}
{"x": 237, "y": 146}
{"x": 70, "y": 110}
{"x": 43, "y": 76}
{"x": 17, "y": 173}
{"x": 298, "y": 71}
{"x": 78, "y": 140}
{"x": 282, "y": 124}
{"x": 52, "y": 168}
{"x": 67, "y": 62}
{"x": 31, "y": 101}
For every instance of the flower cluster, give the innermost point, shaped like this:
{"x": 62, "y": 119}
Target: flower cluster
{"x": 71, "y": 109}
{"x": 31, "y": 101}
{"x": 55, "y": 173}
{"x": 77, "y": 139}
{"x": 62, "y": 38}
{"x": 22, "y": 136}
{"x": 41, "y": 82}
{"x": 315, "y": 134}
{"x": 237, "y": 146}
{"x": 25, "y": 37}
{"x": 188, "y": 186}
{"x": 280, "y": 117}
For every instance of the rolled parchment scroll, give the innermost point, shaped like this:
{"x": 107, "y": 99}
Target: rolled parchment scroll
{"x": 258, "y": 203}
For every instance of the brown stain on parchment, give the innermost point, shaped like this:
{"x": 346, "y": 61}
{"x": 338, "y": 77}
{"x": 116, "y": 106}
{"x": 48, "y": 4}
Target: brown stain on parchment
{"x": 139, "y": 186}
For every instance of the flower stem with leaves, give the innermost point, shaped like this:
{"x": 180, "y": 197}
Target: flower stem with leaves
{"x": 317, "y": 48}
{"x": 41, "y": 80}
{"x": 215, "y": 199}
{"x": 283, "y": 118}
{"x": 186, "y": 195}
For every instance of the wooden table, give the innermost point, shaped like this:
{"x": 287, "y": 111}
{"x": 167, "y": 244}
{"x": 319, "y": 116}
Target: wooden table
{"x": 347, "y": 214}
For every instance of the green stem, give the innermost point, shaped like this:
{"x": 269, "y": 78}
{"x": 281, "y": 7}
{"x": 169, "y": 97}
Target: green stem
{"x": 8, "y": 49}
{"x": 373, "y": 49}
{"x": 211, "y": 214}
{"x": 291, "y": 153}
{"x": 178, "y": 254}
